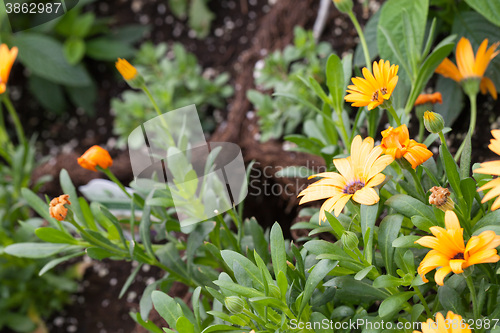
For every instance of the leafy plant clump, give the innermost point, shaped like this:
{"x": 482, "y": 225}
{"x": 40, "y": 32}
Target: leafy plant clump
{"x": 175, "y": 79}
{"x": 282, "y": 73}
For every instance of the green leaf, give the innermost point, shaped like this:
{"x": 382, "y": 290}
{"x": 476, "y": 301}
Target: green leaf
{"x": 97, "y": 253}
{"x": 237, "y": 289}
{"x": 36, "y": 250}
{"x": 252, "y": 271}
{"x": 409, "y": 206}
{"x": 150, "y": 326}
{"x": 354, "y": 291}
{"x": 278, "y": 253}
{"x": 200, "y": 17}
{"x": 167, "y": 307}
{"x": 108, "y": 49}
{"x": 129, "y": 281}
{"x": 337, "y": 227}
{"x": 452, "y": 99}
{"x": 44, "y": 56}
{"x": 335, "y": 81}
{"x": 393, "y": 304}
{"x": 322, "y": 268}
{"x": 492, "y": 218}
{"x": 489, "y": 9}
{"x": 468, "y": 188}
{"x": 465, "y": 159}
{"x": 52, "y": 235}
{"x": 368, "y": 218}
{"x": 48, "y": 94}
{"x": 451, "y": 300}
{"x": 387, "y": 281}
{"x": 422, "y": 223}
{"x": 37, "y": 204}
{"x": 406, "y": 241}
{"x": 451, "y": 170}
{"x": 388, "y": 232}
{"x": 53, "y": 263}
{"x": 74, "y": 50}
{"x": 363, "y": 273}
{"x": 184, "y": 325}
{"x": 69, "y": 188}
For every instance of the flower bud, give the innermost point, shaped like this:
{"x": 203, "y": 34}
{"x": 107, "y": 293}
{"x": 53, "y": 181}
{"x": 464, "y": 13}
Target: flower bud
{"x": 344, "y": 6}
{"x": 129, "y": 73}
{"x": 433, "y": 122}
{"x": 234, "y": 304}
{"x": 350, "y": 240}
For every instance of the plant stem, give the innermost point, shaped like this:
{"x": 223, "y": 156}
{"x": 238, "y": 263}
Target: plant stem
{"x": 475, "y": 304}
{"x": 362, "y": 39}
{"x": 472, "y": 124}
{"x": 443, "y": 140}
{"x": 421, "y": 130}
{"x": 160, "y": 114}
{"x": 15, "y": 118}
{"x": 115, "y": 180}
{"x": 418, "y": 183}
{"x": 394, "y": 114}
{"x": 424, "y": 302}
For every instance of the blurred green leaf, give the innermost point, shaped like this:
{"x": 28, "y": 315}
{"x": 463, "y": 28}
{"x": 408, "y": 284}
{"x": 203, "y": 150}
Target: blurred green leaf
{"x": 74, "y": 50}
{"x": 44, "y": 56}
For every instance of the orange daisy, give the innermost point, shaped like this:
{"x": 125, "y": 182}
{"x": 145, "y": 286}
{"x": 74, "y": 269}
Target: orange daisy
{"x": 452, "y": 324}
{"x": 470, "y": 67}
{"x": 492, "y": 168}
{"x": 356, "y": 177}
{"x": 451, "y": 254}
{"x": 373, "y": 89}
{"x": 396, "y": 142}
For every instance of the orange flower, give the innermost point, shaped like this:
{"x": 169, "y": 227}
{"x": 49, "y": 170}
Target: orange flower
{"x": 452, "y": 324}
{"x": 470, "y": 67}
{"x": 373, "y": 90}
{"x": 128, "y": 71}
{"x": 451, "y": 254}
{"x": 492, "y": 168}
{"x": 429, "y": 98}
{"x": 7, "y": 58}
{"x": 57, "y": 209}
{"x": 396, "y": 142}
{"x": 95, "y": 156}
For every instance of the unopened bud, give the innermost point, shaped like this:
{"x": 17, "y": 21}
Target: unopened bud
{"x": 234, "y": 304}
{"x": 350, "y": 240}
{"x": 433, "y": 122}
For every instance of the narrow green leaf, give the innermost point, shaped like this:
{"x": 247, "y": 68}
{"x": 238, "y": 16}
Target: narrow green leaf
{"x": 388, "y": 232}
{"x": 52, "y": 235}
{"x": 393, "y": 304}
{"x": 53, "y": 263}
{"x": 278, "y": 253}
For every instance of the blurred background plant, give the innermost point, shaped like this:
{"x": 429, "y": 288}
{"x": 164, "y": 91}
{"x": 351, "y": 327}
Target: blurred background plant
{"x": 282, "y": 73}
{"x": 175, "y": 79}
{"x": 60, "y": 55}
{"x": 197, "y": 12}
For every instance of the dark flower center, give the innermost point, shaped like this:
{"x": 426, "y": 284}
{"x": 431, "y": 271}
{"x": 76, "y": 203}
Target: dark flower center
{"x": 375, "y": 96}
{"x": 459, "y": 255}
{"x": 383, "y": 91}
{"x": 353, "y": 187}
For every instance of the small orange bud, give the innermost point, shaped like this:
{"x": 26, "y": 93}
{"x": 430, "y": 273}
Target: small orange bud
{"x": 95, "y": 156}
{"x": 57, "y": 209}
{"x": 128, "y": 71}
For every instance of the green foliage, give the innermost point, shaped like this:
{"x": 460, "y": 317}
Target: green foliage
{"x": 282, "y": 72}
{"x": 199, "y": 15}
{"x": 26, "y": 299}
{"x": 175, "y": 81}
{"x": 57, "y": 54}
